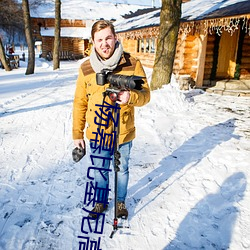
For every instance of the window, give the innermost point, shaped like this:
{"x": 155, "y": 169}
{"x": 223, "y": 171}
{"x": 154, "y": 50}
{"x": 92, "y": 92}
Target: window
{"x": 146, "y": 45}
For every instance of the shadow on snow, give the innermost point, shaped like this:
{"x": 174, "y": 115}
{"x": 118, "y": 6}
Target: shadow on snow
{"x": 23, "y": 110}
{"x": 210, "y": 223}
{"x": 190, "y": 153}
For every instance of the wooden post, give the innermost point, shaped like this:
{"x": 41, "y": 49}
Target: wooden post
{"x": 201, "y": 60}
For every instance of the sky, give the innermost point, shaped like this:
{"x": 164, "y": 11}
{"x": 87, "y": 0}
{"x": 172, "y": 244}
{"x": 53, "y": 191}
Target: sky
{"x": 189, "y": 168}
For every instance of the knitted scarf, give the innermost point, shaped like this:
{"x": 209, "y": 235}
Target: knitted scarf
{"x": 98, "y": 64}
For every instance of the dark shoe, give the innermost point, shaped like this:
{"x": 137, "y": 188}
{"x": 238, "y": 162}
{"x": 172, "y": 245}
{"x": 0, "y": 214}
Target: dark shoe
{"x": 98, "y": 209}
{"x": 122, "y": 211}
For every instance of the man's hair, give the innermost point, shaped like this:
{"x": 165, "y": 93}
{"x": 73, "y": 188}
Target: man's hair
{"x": 101, "y": 24}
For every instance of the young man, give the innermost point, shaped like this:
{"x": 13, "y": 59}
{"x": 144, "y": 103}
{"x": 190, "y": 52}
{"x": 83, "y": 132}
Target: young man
{"x": 107, "y": 54}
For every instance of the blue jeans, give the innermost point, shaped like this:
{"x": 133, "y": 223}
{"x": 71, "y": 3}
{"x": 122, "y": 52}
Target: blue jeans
{"x": 123, "y": 174}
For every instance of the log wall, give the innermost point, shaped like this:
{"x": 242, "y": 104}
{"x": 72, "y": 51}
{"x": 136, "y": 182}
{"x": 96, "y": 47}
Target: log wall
{"x": 186, "y": 56}
{"x": 74, "y": 45}
{"x": 50, "y": 22}
{"x": 245, "y": 60}
{"x": 209, "y": 57}
{"x": 131, "y": 46}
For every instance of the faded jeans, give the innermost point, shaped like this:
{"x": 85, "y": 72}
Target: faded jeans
{"x": 123, "y": 174}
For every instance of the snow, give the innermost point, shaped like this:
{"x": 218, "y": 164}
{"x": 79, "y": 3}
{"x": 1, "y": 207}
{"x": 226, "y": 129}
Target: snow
{"x": 192, "y": 10}
{"x": 197, "y": 9}
{"x": 84, "y": 33}
{"x": 86, "y": 10}
{"x": 189, "y": 168}
{"x": 145, "y": 20}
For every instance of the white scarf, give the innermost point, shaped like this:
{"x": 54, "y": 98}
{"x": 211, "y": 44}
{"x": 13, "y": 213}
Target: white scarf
{"x": 98, "y": 64}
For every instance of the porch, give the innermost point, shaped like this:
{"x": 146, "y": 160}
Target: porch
{"x": 231, "y": 87}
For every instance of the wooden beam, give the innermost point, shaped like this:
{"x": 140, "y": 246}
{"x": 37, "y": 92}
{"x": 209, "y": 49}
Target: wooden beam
{"x": 201, "y": 60}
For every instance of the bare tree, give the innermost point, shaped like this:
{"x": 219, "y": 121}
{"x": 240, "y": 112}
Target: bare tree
{"x": 11, "y": 24}
{"x": 28, "y": 33}
{"x": 11, "y": 17}
{"x": 3, "y": 57}
{"x": 168, "y": 34}
{"x": 56, "y": 59}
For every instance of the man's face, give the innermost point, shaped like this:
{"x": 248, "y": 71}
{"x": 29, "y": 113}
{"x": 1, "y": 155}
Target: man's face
{"x": 104, "y": 42}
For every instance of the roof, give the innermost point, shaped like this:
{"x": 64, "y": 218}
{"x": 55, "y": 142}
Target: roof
{"x": 208, "y": 9}
{"x": 193, "y": 10}
{"x": 79, "y": 32}
{"x": 146, "y": 20}
{"x": 232, "y": 10}
{"x": 85, "y": 10}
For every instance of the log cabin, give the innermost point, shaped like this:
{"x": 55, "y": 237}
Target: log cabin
{"x": 74, "y": 37}
{"x": 213, "y": 41}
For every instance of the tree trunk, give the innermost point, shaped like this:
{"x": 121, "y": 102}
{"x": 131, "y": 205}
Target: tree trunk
{"x": 168, "y": 34}
{"x": 56, "y": 59}
{"x": 28, "y": 33}
{"x": 3, "y": 57}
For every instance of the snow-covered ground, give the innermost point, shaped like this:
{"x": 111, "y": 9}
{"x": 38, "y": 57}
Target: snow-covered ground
{"x": 189, "y": 168}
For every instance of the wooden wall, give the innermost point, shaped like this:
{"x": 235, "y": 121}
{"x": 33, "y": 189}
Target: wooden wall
{"x": 50, "y": 22}
{"x": 73, "y": 45}
{"x": 186, "y": 56}
{"x": 47, "y": 45}
{"x": 245, "y": 60}
{"x": 209, "y": 59}
{"x": 131, "y": 46}
{"x": 178, "y": 61}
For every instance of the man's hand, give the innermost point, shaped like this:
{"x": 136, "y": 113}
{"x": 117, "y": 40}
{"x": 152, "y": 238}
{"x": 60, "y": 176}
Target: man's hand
{"x": 79, "y": 143}
{"x": 123, "y": 97}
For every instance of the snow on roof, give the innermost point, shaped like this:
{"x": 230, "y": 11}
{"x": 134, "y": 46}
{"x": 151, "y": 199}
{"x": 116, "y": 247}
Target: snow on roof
{"x": 79, "y": 32}
{"x": 192, "y": 10}
{"x": 197, "y": 9}
{"x": 85, "y": 10}
{"x": 145, "y": 20}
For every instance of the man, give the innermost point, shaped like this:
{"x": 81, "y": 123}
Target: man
{"x": 108, "y": 54}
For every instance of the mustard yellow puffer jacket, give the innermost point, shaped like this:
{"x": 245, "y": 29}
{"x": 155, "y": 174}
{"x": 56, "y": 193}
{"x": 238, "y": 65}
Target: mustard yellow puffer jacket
{"x": 88, "y": 94}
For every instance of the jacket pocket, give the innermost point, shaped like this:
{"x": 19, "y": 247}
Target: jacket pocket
{"x": 127, "y": 120}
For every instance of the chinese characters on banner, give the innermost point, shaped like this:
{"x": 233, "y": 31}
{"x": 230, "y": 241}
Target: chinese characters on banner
{"x": 102, "y": 142}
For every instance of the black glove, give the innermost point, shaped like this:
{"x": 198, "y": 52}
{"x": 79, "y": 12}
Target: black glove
{"x": 78, "y": 153}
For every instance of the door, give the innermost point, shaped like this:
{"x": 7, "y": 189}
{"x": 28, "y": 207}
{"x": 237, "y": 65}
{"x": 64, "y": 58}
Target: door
{"x": 227, "y": 55}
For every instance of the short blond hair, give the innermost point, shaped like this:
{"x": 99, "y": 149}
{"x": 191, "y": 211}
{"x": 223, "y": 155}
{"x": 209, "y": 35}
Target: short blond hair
{"x": 100, "y": 25}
